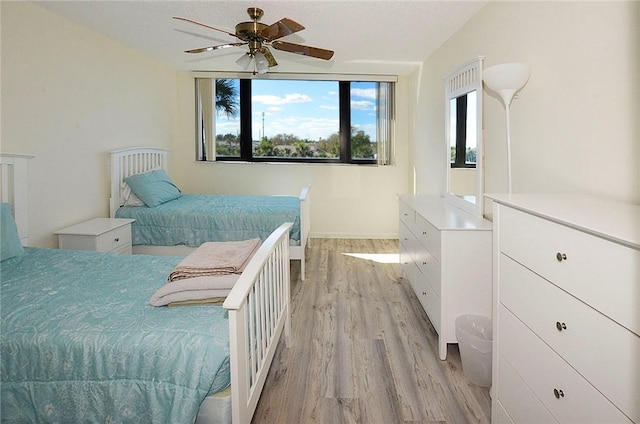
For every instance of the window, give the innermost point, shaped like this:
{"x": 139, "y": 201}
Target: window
{"x": 462, "y": 114}
{"x": 289, "y": 120}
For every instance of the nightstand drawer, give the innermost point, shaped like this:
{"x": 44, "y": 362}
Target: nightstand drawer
{"x": 601, "y": 273}
{"x": 99, "y": 234}
{"x": 116, "y": 239}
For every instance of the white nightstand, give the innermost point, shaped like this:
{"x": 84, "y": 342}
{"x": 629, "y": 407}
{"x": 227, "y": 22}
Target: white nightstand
{"x": 99, "y": 234}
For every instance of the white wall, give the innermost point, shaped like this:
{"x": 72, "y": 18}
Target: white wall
{"x": 69, "y": 95}
{"x": 574, "y": 126}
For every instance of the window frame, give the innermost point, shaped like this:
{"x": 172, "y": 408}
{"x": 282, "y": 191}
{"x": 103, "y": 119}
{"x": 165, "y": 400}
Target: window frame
{"x": 344, "y": 85}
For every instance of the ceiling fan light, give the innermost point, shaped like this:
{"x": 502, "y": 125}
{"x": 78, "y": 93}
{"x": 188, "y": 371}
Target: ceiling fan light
{"x": 262, "y": 64}
{"x": 244, "y": 61}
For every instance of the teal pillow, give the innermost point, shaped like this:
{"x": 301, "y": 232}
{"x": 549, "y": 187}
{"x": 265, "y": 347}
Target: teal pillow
{"x": 10, "y": 245}
{"x": 153, "y": 188}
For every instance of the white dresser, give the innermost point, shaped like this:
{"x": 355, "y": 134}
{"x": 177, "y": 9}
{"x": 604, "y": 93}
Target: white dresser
{"x": 566, "y": 310}
{"x": 99, "y": 234}
{"x": 445, "y": 253}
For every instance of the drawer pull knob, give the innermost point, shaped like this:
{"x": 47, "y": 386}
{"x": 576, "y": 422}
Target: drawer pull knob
{"x": 561, "y": 326}
{"x": 117, "y": 239}
{"x": 561, "y": 257}
{"x": 558, "y": 393}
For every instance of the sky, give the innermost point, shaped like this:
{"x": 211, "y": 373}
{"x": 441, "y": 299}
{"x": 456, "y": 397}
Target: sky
{"x": 307, "y": 109}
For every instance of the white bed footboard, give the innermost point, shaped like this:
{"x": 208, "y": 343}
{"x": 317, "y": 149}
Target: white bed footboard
{"x": 259, "y": 312}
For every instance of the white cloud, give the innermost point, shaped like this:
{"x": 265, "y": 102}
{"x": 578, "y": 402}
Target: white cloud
{"x": 271, "y": 100}
{"x": 304, "y": 127}
{"x": 367, "y": 93}
{"x": 362, "y": 104}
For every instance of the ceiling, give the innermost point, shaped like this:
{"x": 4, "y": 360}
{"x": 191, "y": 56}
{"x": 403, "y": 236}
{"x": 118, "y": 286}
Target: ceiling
{"x": 368, "y": 37}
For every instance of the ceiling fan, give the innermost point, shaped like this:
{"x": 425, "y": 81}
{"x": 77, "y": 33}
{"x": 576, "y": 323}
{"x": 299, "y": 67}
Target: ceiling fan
{"x": 258, "y": 37}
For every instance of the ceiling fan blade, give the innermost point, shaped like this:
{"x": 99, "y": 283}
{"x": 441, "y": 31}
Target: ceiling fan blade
{"x": 267, "y": 54}
{"x": 218, "y": 47}
{"x": 305, "y": 50}
{"x": 204, "y": 25}
{"x": 284, "y": 26}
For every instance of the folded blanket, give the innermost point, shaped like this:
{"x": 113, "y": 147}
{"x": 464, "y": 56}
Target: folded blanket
{"x": 197, "y": 288}
{"x": 216, "y": 258}
{"x": 211, "y": 301}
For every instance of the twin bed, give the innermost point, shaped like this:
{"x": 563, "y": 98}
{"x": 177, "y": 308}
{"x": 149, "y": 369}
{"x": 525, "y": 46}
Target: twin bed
{"x": 80, "y": 341}
{"x": 183, "y": 223}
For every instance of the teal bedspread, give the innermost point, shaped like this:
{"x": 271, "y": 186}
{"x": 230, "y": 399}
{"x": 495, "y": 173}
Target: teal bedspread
{"x": 79, "y": 342}
{"x": 195, "y": 219}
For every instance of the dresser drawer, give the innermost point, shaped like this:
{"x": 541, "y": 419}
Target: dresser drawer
{"x": 424, "y": 260}
{"x": 408, "y": 241}
{"x": 116, "y": 239}
{"x": 431, "y": 303}
{"x": 566, "y": 394}
{"x": 605, "y": 353}
{"x": 430, "y": 268}
{"x": 518, "y": 404}
{"x": 407, "y": 215}
{"x": 428, "y": 236}
{"x": 408, "y": 266}
{"x": 500, "y": 416}
{"x": 599, "y": 272}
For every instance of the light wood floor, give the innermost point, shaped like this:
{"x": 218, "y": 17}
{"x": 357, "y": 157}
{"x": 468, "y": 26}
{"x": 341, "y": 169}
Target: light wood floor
{"x": 363, "y": 348}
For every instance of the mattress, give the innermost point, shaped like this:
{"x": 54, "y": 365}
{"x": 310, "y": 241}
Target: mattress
{"x": 80, "y": 343}
{"x": 194, "y": 219}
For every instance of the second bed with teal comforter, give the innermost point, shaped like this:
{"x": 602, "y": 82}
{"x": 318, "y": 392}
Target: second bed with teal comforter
{"x": 80, "y": 343}
{"x": 194, "y": 219}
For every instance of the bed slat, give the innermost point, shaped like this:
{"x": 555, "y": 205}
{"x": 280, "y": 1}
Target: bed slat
{"x": 126, "y": 162}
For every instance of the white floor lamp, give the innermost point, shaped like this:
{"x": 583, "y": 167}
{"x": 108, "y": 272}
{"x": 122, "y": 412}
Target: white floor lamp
{"x": 506, "y": 80}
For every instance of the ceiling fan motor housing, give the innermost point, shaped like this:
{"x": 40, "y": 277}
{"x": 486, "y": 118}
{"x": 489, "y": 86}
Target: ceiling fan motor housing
{"x": 250, "y": 31}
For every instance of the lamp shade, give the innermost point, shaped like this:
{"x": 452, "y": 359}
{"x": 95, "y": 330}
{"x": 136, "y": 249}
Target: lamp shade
{"x": 244, "y": 61}
{"x": 262, "y": 65}
{"x": 506, "y": 79}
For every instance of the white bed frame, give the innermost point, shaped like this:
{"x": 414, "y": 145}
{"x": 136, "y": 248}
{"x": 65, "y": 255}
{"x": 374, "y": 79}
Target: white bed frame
{"x": 259, "y": 304}
{"x": 14, "y": 189}
{"x": 125, "y": 162}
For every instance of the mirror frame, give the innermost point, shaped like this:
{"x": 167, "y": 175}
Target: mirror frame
{"x": 463, "y": 80}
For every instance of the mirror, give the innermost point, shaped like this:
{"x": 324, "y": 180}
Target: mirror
{"x": 464, "y": 138}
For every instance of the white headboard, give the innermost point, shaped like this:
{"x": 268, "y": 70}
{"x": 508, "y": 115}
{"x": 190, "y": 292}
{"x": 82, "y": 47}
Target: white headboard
{"x": 125, "y": 162}
{"x": 14, "y": 190}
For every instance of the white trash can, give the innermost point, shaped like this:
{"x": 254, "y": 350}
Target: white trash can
{"x": 475, "y": 336}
